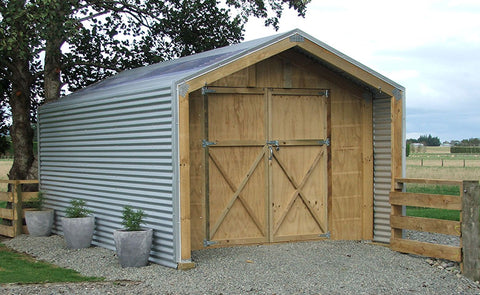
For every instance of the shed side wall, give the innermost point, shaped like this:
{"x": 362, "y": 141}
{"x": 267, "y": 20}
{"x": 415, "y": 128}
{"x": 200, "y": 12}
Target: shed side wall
{"x": 111, "y": 152}
{"x": 382, "y": 142}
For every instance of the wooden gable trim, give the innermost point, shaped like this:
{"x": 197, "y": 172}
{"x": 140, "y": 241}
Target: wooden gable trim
{"x": 347, "y": 66}
{"x": 240, "y": 64}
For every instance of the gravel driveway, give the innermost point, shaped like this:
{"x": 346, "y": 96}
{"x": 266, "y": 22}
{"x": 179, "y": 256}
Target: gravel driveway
{"x": 322, "y": 267}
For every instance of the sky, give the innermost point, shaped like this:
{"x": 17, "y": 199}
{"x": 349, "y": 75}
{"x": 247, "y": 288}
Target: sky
{"x": 432, "y": 48}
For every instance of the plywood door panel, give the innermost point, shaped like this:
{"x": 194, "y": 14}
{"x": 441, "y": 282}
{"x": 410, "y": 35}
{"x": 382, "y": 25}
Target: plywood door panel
{"x": 298, "y": 172}
{"x": 247, "y": 171}
{"x": 236, "y": 170}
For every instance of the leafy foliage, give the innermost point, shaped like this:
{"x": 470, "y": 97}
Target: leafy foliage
{"x": 51, "y": 47}
{"x": 77, "y": 209}
{"x": 132, "y": 219}
{"x": 36, "y": 202}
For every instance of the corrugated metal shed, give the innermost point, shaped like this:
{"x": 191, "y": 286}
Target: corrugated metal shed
{"x": 116, "y": 142}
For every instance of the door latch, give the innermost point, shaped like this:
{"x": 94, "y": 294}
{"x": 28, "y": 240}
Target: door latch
{"x": 271, "y": 144}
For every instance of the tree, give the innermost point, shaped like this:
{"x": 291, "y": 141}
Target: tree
{"x": 84, "y": 41}
{"x": 429, "y": 140}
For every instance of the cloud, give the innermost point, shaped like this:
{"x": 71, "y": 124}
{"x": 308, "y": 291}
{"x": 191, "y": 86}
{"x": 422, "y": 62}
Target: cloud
{"x": 431, "y": 47}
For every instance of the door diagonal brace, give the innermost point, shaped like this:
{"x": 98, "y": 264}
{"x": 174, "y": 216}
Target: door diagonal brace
{"x": 237, "y": 192}
{"x": 298, "y": 192}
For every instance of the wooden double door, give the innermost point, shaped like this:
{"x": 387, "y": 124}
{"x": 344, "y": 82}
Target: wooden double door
{"x": 266, "y": 164}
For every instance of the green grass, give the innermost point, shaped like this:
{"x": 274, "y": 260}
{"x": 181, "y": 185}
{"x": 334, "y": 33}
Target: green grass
{"x": 434, "y": 213}
{"x": 431, "y": 212}
{"x": 20, "y": 268}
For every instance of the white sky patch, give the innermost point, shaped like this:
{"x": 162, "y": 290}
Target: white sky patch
{"x": 431, "y": 47}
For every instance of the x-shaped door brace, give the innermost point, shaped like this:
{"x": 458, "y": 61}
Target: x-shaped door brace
{"x": 237, "y": 192}
{"x": 298, "y": 192}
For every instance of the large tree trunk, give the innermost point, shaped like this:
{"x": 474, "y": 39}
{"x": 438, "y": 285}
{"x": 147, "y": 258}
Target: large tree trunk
{"x": 52, "y": 69}
{"x": 21, "y": 131}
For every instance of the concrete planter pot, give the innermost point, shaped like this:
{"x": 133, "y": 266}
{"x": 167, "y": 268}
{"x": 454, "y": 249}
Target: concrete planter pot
{"x": 133, "y": 247}
{"x": 78, "y": 232}
{"x": 39, "y": 222}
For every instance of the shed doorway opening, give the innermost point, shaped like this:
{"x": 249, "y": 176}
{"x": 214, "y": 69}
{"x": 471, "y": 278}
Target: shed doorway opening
{"x": 266, "y": 155}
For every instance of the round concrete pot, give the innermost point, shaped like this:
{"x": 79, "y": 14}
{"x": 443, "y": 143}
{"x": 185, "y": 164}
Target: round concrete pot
{"x": 133, "y": 247}
{"x": 78, "y": 232}
{"x": 39, "y": 222}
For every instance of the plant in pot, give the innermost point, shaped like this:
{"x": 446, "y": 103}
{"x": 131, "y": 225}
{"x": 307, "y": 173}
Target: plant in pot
{"x": 78, "y": 225}
{"x": 133, "y": 243}
{"x": 39, "y": 220}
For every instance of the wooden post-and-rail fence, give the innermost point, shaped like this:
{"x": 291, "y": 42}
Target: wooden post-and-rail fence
{"x": 14, "y": 213}
{"x": 467, "y": 229}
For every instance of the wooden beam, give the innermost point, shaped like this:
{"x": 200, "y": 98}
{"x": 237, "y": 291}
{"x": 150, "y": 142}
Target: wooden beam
{"x": 397, "y": 137}
{"x": 6, "y": 231}
{"x": 367, "y": 173}
{"x": 6, "y": 196}
{"x": 185, "y": 265}
{"x": 426, "y": 200}
{"x": 427, "y": 249}
{"x": 184, "y": 174}
{"x": 446, "y": 227}
{"x": 428, "y": 181}
{"x": 471, "y": 230}
{"x": 6, "y": 214}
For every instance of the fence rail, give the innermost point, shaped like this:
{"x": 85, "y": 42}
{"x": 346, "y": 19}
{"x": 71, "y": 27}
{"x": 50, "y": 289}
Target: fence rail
{"x": 462, "y": 163}
{"x": 467, "y": 202}
{"x": 14, "y": 215}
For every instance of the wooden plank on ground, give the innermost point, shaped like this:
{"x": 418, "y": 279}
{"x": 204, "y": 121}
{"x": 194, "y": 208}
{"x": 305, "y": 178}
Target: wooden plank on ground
{"x": 447, "y": 227}
{"x": 6, "y": 213}
{"x": 6, "y": 197}
{"x": 6, "y": 231}
{"x": 426, "y": 200}
{"x": 427, "y": 249}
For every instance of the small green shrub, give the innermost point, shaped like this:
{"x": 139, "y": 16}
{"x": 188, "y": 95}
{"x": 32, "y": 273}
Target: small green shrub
{"x": 132, "y": 219}
{"x": 35, "y": 203}
{"x": 77, "y": 209}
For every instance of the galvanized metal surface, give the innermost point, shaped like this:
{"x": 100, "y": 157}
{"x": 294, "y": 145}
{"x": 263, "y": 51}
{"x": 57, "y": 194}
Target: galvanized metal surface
{"x": 112, "y": 152}
{"x": 382, "y": 162}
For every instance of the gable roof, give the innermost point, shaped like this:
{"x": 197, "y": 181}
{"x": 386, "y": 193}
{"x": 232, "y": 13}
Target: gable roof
{"x": 199, "y": 66}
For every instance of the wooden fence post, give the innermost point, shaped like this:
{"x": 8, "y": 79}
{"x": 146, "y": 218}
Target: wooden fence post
{"x": 471, "y": 230}
{"x": 17, "y": 209}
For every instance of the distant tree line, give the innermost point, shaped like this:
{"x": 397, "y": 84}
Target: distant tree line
{"x": 466, "y": 142}
{"x": 426, "y": 140}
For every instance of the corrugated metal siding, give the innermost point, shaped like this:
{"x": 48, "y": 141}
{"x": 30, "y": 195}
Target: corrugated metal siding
{"x": 382, "y": 163}
{"x": 112, "y": 151}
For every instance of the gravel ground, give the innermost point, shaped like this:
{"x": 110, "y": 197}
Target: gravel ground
{"x": 322, "y": 267}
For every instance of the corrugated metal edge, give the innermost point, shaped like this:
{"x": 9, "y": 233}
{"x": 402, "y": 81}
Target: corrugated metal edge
{"x": 177, "y": 237}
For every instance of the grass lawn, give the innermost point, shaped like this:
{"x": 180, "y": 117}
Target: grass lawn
{"x": 20, "y": 268}
{"x": 431, "y": 212}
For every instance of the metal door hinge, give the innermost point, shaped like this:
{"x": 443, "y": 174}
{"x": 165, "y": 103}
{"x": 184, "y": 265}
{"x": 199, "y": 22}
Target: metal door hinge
{"x": 324, "y": 142}
{"x": 206, "y": 143}
{"x": 207, "y": 243}
{"x": 325, "y": 235}
{"x": 206, "y": 90}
